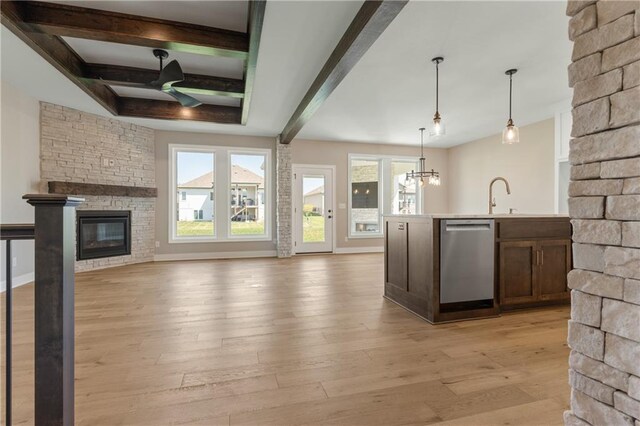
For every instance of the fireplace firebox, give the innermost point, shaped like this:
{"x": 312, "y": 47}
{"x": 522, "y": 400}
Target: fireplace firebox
{"x": 103, "y": 233}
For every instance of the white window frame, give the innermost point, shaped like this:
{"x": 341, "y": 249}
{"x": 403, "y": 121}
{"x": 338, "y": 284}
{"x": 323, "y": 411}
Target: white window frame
{"x": 173, "y": 193}
{"x": 267, "y": 194}
{"x": 222, "y": 176}
{"x": 384, "y": 190}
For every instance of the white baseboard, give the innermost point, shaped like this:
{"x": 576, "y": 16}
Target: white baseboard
{"x": 350, "y": 250}
{"x": 18, "y": 281}
{"x": 214, "y": 255}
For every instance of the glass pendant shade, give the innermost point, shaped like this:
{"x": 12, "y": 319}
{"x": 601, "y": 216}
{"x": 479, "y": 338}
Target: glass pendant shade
{"x": 437, "y": 128}
{"x": 510, "y": 134}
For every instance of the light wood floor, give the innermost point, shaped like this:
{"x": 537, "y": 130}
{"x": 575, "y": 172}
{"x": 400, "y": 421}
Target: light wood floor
{"x": 308, "y": 340}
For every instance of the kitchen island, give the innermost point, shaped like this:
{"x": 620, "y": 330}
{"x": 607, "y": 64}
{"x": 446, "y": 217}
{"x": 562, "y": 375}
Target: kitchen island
{"x": 446, "y": 267}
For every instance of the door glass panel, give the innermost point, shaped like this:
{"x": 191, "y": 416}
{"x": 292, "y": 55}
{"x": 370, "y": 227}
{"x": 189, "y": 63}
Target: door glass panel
{"x": 313, "y": 209}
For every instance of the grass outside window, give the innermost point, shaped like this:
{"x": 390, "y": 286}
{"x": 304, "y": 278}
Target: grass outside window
{"x": 192, "y": 228}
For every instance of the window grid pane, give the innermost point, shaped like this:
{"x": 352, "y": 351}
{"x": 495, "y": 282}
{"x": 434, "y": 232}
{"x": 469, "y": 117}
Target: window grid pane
{"x": 404, "y": 197}
{"x": 247, "y": 194}
{"x": 365, "y": 211}
{"x": 195, "y": 183}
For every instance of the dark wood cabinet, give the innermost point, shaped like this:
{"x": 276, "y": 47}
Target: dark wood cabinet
{"x": 533, "y": 271}
{"x": 409, "y": 265}
{"x": 518, "y": 272}
{"x": 532, "y": 260}
{"x": 555, "y": 264}
{"x": 396, "y": 254}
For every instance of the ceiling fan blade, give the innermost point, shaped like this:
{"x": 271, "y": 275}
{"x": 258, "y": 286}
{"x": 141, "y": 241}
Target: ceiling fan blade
{"x": 185, "y": 100}
{"x": 170, "y": 74}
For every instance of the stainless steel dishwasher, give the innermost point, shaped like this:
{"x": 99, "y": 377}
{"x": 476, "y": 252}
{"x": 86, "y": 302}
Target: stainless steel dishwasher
{"x": 466, "y": 260}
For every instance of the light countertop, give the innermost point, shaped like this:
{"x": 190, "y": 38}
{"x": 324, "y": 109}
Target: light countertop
{"x": 479, "y": 216}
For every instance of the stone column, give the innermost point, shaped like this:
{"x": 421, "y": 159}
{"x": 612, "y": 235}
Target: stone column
{"x": 283, "y": 213}
{"x": 604, "y": 204}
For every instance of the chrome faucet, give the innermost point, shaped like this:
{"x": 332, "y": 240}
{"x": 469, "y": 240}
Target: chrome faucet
{"x": 492, "y": 201}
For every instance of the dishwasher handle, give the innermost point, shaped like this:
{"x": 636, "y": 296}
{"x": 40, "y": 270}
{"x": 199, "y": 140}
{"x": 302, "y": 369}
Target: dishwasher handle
{"x": 482, "y": 226}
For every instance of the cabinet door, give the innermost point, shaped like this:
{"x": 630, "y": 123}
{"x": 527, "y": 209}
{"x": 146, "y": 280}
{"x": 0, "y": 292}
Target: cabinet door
{"x": 420, "y": 248}
{"x": 554, "y": 264}
{"x": 396, "y": 254}
{"x": 518, "y": 272}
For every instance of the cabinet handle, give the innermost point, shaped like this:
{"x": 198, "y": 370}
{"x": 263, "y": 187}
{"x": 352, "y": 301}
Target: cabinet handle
{"x": 541, "y": 257}
{"x": 537, "y": 257}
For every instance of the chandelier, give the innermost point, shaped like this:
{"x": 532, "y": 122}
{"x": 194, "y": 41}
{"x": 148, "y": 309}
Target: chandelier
{"x": 422, "y": 174}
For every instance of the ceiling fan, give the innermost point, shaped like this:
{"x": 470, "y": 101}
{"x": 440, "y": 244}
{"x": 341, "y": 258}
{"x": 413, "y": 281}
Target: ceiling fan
{"x": 170, "y": 74}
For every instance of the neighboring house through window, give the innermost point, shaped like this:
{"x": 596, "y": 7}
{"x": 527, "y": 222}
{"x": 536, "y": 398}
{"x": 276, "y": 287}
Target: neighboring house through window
{"x": 196, "y": 172}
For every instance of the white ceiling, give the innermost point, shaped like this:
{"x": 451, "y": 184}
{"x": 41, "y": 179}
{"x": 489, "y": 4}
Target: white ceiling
{"x": 297, "y": 39}
{"x": 135, "y": 92}
{"x": 387, "y": 96}
{"x": 391, "y": 92}
{"x": 100, "y": 52}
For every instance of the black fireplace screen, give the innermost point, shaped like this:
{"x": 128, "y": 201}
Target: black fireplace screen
{"x": 103, "y": 233}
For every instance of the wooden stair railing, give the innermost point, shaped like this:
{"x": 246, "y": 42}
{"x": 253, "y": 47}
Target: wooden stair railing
{"x": 54, "y": 234}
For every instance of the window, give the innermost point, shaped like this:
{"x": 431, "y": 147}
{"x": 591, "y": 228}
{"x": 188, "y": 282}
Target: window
{"x": 200, "y": 213}
{"x": 194, "y": 180}
{"x": 365, "y": 197}
{"x": 377, "y": 186}
{"x": 247, "y": 181}
{"x": 403, "y": 192}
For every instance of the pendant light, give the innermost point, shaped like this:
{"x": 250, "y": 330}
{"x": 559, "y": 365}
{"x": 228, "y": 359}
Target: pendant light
{"x": 432, "y": 176}
{"x": 437, "y": 128}
{"x": 510, "y": 134}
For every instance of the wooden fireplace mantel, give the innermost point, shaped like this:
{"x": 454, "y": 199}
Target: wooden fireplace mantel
{"x": 77, "y": 188}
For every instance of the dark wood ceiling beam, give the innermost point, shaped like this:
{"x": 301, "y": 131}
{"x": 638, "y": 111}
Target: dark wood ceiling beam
{"x": 116, "y": 75}
{"x": 80, "y": 22}
{"x": 369, "y": 23}
{"x": 254, "y": 28}
{"x": 57, "y": 53}
{"x": 168, "y": 110}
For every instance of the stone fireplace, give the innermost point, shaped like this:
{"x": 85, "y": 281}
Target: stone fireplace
{"x": 109, "y": 163}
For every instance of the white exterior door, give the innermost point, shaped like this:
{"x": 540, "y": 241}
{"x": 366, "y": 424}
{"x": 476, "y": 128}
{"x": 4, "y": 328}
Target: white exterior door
{"x": 313, "y": 209}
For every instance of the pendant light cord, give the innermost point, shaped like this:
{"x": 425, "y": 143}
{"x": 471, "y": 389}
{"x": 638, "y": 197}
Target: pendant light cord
{"x": 437, "y": 84}
{"x": 421, "y": 152}
{"x": 510, "y": 93}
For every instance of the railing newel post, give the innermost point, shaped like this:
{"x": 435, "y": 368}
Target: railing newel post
{"x": 54, "y": 307}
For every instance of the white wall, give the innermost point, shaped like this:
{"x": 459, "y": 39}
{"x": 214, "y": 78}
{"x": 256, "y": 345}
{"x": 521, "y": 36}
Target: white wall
{"x": 19, "y": 171}
{"x": 166, "y": 251}
{"x": 337, "y": 154}
{"x": 528, "y": 166}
